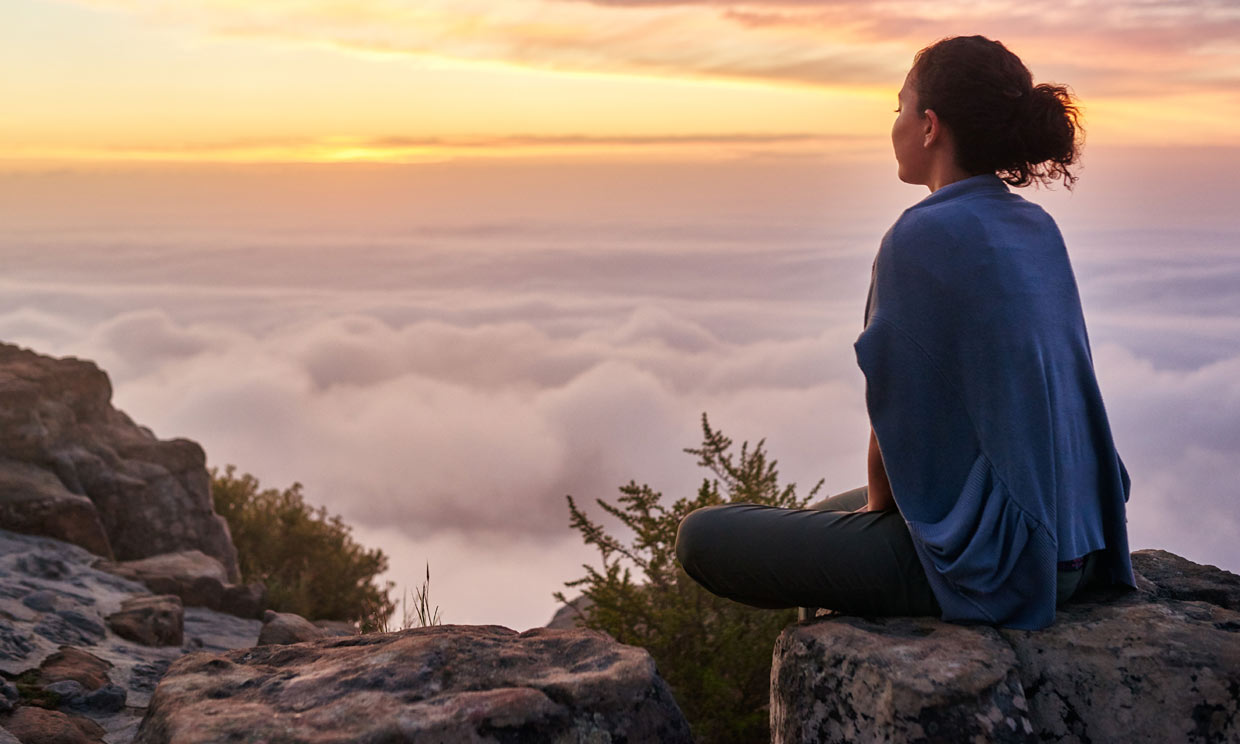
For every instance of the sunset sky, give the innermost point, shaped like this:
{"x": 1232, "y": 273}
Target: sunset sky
{"x": 446, "y": 261}
{"x": 410, "y": 80}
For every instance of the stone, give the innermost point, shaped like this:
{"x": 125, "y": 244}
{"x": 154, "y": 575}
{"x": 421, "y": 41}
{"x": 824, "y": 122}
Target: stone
{"x": 71, "y": 692}
{"x": 1157, "y": 665}
{"x": 72, "y": 626}
{"x": 77, "y": 469}
{"x": 1173, "y": 577}
{"x": 59, "y": 576}
{"x": 107, "y": 699}
{"x": 7, "y": 738}
{"x": 850, "y": 679}
{"x": 573, "y": 614}
{"x": 195, "y": 577}
{"x": 33, "y": 500}
{"x": 31, "y": 725}
{"x": 244, "y": 600}
{"x": 280, "y": 628}
{"x": 1133, "y": 670}
{"x": 8, "y": 696}
{"x": 156, "y": 620}
{"x": 70, "y": 663}
{"x": 441, "y": 683}
{"x": 43, "y": 600}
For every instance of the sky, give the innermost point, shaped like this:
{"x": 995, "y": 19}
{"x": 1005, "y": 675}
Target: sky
{"x": 446, "y": 262}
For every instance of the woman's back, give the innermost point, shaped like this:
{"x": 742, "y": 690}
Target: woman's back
{"x": 983, "y": 397}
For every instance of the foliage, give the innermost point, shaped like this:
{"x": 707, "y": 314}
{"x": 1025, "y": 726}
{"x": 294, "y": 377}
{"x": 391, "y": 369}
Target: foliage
{"x": 714, "y": 653}
{"x": 307, "y": 559}
{"x": 422, "y": 615}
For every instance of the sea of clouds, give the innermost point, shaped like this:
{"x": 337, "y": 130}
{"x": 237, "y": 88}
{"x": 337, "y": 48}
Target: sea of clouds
{"x": 440, "y": 353}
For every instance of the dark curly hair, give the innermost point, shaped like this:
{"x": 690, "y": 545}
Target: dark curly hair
{"x": 1001, "y": 122}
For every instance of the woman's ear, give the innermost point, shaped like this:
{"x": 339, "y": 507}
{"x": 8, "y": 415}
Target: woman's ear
{"x": 932, "y": 128}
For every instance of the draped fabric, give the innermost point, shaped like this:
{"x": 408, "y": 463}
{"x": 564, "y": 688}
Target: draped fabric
{"x": 981, "y": 390}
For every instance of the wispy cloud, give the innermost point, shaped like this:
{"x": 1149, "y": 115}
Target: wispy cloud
{"x": 1138, "y": 46}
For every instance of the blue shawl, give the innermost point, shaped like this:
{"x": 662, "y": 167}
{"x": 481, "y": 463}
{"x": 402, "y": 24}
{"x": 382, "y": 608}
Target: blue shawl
{"x": 981, "y": 390}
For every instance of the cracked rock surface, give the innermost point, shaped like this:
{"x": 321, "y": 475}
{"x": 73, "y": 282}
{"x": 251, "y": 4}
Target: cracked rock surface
{"x": 453, "y": 683}
{"x": 1160, "y": 664}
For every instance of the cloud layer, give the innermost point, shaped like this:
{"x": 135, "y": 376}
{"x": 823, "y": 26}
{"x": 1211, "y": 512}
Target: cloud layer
{"x": 444, "y": 384}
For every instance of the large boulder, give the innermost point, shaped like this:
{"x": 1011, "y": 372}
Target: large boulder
{"x": 442, "y": 683}
{"x": 1141, "y": 666}
{"x": 61, "y": 438}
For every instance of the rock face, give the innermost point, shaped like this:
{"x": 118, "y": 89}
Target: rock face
{"x": 55, "y": 639}
{"x": 75, "y": 468}
{"x": 444, "y": 683}
{"x": 1160, "y": 664}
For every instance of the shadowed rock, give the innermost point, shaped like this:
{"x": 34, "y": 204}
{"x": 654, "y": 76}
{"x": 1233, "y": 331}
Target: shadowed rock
{"x": 32, "y": 725}
{"x": 1134, "y": 666}
{"x": 77, "y": 469}
{"x": 444, "y": 683}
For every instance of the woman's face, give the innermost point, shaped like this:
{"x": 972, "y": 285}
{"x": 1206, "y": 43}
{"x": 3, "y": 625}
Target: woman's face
{"x": 908, "y": 136}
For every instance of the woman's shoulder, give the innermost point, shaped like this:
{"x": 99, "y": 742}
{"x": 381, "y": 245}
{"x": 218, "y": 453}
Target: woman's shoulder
{"x": 969, "y": 219}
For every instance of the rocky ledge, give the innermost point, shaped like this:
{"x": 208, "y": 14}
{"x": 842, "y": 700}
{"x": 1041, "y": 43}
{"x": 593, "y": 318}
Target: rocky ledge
{"x": 1161, "y": 664}
{"x": 74, "y": 468}
{"x": 437, "y": 684}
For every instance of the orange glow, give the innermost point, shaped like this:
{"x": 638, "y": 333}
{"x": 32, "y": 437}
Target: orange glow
{"x": 329, "y": 81}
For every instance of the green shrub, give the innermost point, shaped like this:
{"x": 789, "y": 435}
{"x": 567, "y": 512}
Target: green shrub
{"x": 307, "y": 559}
{"x": 715, "y": 654}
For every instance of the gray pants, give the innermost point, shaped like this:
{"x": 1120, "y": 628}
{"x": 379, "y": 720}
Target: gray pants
{"x": 825, "y": 556}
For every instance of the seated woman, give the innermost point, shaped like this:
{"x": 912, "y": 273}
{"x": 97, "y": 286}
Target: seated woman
{"x": 995, "y": 491}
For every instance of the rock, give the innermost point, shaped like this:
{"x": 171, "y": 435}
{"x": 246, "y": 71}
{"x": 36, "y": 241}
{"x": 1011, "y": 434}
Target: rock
{"x": 72, "y": 626}
{"x": 849, "y": 679}
{"x": 34, "y": 500}
{"x": 1138, "y": 666}
{"x": 195, "y": 577}
{"x": 8, "y": 696}
{"x": 70, "y": 692}
{"x": 31, "y": 725}
{"x": 573, "y": 613}
{"x": 39, "y": 578}
{"x": 244, "y": 600}
{"x": 7, "y": 738}
{"x": 42, "y": 601}
{"x": 77, "y": 665}
{"x": 107, "y": 699}
{"x": 77, "y": 469}
{"x": 436, "y": 684}
{"x": 280, "y": 628}
{"x": 1174, "y": 577}
{"x": 156, "y": 620}
{"x": 1134, "y": 671}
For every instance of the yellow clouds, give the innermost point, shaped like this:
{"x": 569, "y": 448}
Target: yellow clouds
{"x": 554, "y": 34}
{"x": 326, "y": 80}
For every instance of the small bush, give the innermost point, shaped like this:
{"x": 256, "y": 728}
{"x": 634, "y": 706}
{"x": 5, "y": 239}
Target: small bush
{"x": 715, "y": 654}
{"x": 307, "y": 559}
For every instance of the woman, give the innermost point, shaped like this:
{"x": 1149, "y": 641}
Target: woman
{"x": 995, "y": 491}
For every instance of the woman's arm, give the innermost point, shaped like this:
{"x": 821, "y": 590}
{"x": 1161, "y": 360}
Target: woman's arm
{"x": 879, "y": 491}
